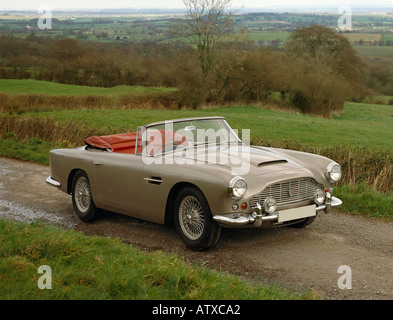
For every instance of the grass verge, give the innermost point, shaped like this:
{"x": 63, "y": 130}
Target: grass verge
{"x": 361, "y": 124}
{"x": 34, "y": 149}
{"x": 92, "y": 267}
{"x": 23, "y": 86}
{"x": 363, "y": 200}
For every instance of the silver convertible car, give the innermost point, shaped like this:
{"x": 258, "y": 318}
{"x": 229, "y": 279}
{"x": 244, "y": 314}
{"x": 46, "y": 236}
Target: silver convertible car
{"x": 198, "y": 174}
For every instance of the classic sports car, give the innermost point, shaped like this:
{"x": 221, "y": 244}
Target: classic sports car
{"x": 197, "y": 174}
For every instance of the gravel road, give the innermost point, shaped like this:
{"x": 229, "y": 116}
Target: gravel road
{"x": 299, "y": 259}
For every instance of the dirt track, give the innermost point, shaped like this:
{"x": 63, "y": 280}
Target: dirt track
{"x": 300, "y": 259}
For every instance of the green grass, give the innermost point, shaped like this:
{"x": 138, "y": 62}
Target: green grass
{"x": 387, "y": 37}
{"x": 376, "y": 52}
{"x": 34, "y": 149}
{"x": 368, "y": 37}
{"x": 12, "y": 86}
{"x": 363, "y": 200}
{"x": 384, "y": 100}
{"x": 268, "y": 36}
{"x": 370, "y": 126}
{"x": 92, "y": 267}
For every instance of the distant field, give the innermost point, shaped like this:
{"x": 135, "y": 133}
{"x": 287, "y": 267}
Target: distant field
{"x": 12, "y": 86}
{"x": 132, "y": 26}
{"x": 387, "y": 37}
{"x": 268, "y": 36}
{"x": 376, "y": 52}
{"x": 364, "y": 50}
{"x": 367, "y": 37}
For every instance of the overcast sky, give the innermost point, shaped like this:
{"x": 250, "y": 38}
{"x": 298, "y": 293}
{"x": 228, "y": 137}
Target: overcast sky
{"x": 108, "y": 4}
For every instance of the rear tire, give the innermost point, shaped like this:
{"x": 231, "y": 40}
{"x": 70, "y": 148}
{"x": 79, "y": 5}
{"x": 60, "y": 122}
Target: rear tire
{"x": 193, "y": 220}
{"x": 82, "y": 199}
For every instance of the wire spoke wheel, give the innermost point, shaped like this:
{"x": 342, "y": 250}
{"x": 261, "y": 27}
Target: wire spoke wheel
{"x": 82, "y": 194}
{"x": 82, "y": 198}
{"x": 192, "y": 218}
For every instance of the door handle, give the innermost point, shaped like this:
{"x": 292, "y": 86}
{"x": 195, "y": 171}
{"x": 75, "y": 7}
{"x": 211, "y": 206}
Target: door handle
{"x": 97, "y": 163}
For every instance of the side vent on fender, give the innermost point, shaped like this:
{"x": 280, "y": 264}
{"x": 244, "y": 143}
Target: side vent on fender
{"x": 153, "y": 180}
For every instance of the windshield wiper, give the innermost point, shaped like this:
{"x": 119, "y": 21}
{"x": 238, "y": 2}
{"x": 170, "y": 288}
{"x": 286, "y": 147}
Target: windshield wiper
{"x": 218, "y": 143}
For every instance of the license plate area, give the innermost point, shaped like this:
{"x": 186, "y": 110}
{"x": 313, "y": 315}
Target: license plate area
{"x": 297, "y": 213}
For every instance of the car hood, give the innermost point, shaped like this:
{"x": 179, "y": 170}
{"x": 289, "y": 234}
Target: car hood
{"x": 242, "y": 159}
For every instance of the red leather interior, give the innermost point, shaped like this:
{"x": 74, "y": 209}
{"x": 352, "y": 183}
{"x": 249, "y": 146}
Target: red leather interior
{"x": 125, "y": 142}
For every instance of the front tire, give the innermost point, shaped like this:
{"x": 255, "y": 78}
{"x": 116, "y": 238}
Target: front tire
{"x": 193, "y": 220}
{"x": 82, "y": 199}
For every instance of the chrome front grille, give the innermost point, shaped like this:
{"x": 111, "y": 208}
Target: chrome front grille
{"x": 287, "y": 192}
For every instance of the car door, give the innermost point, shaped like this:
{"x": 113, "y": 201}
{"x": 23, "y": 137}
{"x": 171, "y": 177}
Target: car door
{"x": 119, "y": 182}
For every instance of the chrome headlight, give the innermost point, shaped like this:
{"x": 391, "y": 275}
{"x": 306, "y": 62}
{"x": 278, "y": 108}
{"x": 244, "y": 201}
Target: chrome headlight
{"x": 333, "y": 172}
{"x": 319, "y": 196}
{"x": 237, "y": 188}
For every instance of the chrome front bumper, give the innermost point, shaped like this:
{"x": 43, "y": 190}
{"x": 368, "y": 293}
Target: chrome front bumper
{"x": 53, "y": 182}
{"x": 256, "y": 218}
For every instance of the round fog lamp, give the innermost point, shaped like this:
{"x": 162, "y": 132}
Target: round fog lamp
{"x": 270, "y": 205}
{"x": 319, "y": 196}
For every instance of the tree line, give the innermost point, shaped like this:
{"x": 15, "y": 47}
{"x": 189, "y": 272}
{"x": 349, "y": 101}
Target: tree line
{"x": 316, "y": 72}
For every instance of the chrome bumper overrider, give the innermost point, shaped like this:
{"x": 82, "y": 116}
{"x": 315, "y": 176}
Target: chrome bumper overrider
{"x": 332, "y": 202}
{"x": 52, "y": 182}
{"x": 256, "y": 218}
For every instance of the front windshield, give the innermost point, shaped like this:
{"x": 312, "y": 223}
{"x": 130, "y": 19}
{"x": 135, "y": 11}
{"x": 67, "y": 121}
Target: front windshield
{"x": 176, "y": 135}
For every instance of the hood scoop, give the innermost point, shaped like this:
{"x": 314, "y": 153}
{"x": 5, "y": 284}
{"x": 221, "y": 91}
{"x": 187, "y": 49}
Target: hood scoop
{"x": 268, "y": 163}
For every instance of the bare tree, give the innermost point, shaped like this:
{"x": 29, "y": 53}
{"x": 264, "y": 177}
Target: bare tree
{"x": 207, "y": 24}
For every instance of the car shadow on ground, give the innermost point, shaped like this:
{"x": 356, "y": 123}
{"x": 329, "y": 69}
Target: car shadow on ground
{"x": 152, "y": 236}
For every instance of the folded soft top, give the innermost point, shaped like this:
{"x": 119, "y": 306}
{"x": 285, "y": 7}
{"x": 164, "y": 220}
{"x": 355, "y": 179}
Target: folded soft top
{"x": 123, "y": 143}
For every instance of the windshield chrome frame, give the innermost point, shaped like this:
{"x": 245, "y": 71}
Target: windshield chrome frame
{"x": 146, "y": 127}
{"x": 138, "y": 130}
